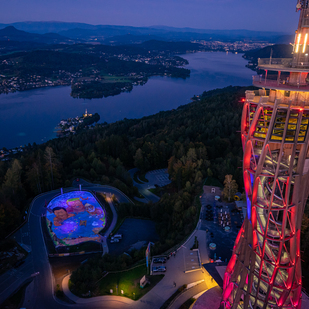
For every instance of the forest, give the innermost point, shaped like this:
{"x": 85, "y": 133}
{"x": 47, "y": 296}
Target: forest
{"x": 194, "y": 141}
{"x": 48, "y": 63}
{"x": 87, "y": 69}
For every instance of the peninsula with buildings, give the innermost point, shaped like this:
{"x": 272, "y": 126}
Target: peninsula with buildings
{"x": 92, "y": 71}
{"x": 97, "y": 70}
{"x": 72, "y": 125}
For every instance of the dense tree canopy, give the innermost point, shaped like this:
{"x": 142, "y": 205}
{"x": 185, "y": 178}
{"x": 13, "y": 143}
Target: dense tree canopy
{"x": 194, "y": 141}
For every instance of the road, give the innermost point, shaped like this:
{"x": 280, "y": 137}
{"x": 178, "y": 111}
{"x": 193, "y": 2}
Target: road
{"x": 37, "y": 261}
{"x": 143, "y": 188}
{"x": 181, "y": 269}
{"x": 44, "y": 281}
{"x": 41, "y": 292}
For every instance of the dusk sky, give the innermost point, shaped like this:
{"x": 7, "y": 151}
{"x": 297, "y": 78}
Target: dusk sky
{"x": 272, "y": 15}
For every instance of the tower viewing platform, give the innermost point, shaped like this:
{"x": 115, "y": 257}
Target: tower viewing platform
{"x": 281, "y": 75}
{"x": 265, "y": 267}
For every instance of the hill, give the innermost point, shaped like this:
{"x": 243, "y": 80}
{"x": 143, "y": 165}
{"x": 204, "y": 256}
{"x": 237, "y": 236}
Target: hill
{"x": 102, "y": 32}
{"x": 129, "y": 39}
{"x": 277, "y": 51}
{"x": 10, "y": 33}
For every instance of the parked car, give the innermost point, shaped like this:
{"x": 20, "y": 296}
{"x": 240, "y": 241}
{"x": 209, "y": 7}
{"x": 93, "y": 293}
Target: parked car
{"x": 159, "y": 269}
{"x": 114, "y": 240}
{"x": 159, "y": 260}
{"x": 119, "y": 236}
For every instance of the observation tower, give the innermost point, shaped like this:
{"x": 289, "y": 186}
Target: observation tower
{"x": 265, "y": 268}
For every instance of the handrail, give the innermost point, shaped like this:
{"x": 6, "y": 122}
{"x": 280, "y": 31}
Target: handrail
{"x": 286, "y": 62}
{"x": 261, "y": 81}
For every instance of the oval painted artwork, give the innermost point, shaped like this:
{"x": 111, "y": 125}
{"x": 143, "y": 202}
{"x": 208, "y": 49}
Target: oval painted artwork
{"x": 75, "y": 217}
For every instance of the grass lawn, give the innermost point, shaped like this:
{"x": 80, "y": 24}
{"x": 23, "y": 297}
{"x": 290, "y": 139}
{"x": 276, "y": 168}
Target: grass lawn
{"x": 129, "y": 282}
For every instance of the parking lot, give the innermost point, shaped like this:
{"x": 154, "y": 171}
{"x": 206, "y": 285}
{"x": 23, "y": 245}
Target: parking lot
{"x": 158, "y": 177}
{"x": 211, "y": 218}
{"x": 158, "y": 264}
{"x": 135, "y": 234}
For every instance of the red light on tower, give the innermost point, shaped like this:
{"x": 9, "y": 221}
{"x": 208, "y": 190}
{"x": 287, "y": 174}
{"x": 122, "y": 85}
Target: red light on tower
{"x": 275, "y": 180}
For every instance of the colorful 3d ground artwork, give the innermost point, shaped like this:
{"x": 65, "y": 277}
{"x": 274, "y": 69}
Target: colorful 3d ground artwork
{"x": 75, "y": 217}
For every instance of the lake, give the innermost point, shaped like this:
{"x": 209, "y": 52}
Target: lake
{"x": 31, "y": 116}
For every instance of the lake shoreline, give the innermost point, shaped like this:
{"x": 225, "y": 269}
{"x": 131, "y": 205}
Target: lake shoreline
{"x": 30, "y": 116}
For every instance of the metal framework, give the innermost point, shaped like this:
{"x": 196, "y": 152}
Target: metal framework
{"x": 265, "y": 267}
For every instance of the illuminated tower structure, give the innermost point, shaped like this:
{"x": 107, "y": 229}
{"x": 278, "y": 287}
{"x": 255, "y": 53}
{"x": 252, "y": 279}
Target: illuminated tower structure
{"x": 265, "y": 267}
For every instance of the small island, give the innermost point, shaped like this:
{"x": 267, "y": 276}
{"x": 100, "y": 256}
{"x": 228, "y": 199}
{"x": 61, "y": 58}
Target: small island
{"x": 72, "y": 125}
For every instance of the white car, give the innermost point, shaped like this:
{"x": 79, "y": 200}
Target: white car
{"x": 159, "y": 269}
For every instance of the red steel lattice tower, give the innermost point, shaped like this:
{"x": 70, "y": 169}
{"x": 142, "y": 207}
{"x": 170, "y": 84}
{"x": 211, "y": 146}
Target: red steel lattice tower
{"x": 265, "y": 267}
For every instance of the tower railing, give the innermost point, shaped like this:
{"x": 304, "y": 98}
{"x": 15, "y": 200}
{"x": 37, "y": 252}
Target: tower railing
{"x": 280, "y": 83}
{"x": 285, "y": 62}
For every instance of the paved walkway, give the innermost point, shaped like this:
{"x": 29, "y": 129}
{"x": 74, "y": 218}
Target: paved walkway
{"x": 153, "y": 179}
{"x": 188, "y": 294}
{"x": 113, "y": 224}
{"x": 176, "y": 267}
{"x": 123, "y": 301}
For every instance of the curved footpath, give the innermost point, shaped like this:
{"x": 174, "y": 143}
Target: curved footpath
{"x": 41, "y": 293}
{"x": 124, "y": 302}
{"x": 143, "y": 188}
{"x": 177, "y": 272}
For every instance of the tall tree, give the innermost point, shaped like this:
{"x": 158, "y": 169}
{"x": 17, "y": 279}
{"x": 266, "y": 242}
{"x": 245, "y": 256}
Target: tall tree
{"x": 34, "y": 179}
{"x": 12, "y": 187}
{"x": 49, "y": 156}
{"x": 230, "y": 187}
{"x": 12, "y": 179}
{"x": 53, "y": 166}
{"x": 139, "y": 159}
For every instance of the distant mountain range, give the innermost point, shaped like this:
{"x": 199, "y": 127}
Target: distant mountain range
{"x": 10, "y": 33}
{"x": 131, "y": 35}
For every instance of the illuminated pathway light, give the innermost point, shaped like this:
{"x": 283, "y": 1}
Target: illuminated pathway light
{"x": 265, "y": 268}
